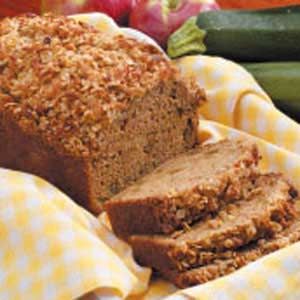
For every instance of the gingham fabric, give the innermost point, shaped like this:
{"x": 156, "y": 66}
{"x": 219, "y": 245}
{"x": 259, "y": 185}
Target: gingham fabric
{"x": 52, "y": 249}
{"x": 236, "y": 100}
{"x": 274, "y": 277}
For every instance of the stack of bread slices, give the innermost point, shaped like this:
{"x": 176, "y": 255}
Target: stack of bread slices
{"x": 206, "y": 213}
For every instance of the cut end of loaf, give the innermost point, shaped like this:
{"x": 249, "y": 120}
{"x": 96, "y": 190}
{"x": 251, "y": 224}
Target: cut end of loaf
{"x": 268, "y": 209}
{"x": 234, "y": 260}
{"x": 185, "y": 188}
{"x": 154, "y": 129}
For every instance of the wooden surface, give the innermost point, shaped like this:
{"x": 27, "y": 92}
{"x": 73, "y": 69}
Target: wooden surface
{"x": 14, "y": 7}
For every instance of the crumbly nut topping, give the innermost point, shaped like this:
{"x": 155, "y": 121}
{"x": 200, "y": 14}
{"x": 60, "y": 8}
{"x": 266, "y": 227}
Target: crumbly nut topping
{"x": 202, "y": 200}
{"x": 220, "y": 264}
{"x": 67, "y": 80}
{"x": 223, "y": 233}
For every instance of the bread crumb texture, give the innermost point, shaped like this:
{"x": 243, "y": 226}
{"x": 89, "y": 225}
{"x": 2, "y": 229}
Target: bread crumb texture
{"x": 68, "y": 81}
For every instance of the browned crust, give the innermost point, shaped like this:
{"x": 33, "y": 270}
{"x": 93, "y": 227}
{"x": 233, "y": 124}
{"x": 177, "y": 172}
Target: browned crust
{"x": 164, "y": 214}
{"x": 233, "y": 261}
{"x": 62, "y": 84}
{"x": 67, "y": 80}
{"x": 30, "y": 153}
{"x": 167, "y": 252}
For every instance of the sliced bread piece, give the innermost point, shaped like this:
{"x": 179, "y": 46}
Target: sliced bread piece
{"x": 268, "y": 209}
{"x": 184, "y": 189}
{"x": 236, "y": 260}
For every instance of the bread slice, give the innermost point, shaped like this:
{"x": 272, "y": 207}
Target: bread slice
{"x": 232, "y": 261}
{"x": 184, "y": 189}
{"x": 268, "y": 209}
{"x": 89, "y": 111}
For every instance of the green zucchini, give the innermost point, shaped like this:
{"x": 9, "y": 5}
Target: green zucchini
{"x": 242, "y": 35}
{"x": 281, "y": 81}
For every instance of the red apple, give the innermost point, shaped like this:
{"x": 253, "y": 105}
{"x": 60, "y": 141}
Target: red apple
{"x": 160, "y": 18}
{"x": 65, "y": 7}
{"x": 117, "y": 9}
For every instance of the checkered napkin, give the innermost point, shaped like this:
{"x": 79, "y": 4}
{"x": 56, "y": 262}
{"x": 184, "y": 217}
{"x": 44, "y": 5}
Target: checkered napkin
{"x": 52, "y": 249}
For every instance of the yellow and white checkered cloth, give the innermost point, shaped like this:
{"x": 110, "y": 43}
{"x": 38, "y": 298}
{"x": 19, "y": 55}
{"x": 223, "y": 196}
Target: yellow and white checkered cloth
{"x": 51, "y": 249}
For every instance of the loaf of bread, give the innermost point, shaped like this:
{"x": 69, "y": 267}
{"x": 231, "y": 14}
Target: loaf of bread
{"x": 184, "y": 189}
{"x": 88, "y": 111}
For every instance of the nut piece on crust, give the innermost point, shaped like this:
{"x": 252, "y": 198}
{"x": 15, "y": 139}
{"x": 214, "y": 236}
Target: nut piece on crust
{"x": 268, "y": 209}
{"x": 184, "y": 189}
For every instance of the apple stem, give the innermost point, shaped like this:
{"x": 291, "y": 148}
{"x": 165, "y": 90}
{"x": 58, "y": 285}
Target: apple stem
{"x": 173, "y": 4}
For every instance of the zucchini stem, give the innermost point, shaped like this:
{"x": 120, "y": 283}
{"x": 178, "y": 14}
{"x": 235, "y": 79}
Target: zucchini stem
{"x": 173, "y": 4}
{"x": 188, "y": 39}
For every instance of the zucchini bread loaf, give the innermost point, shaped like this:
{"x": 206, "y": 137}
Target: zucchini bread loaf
{"x": 88, "y": 111}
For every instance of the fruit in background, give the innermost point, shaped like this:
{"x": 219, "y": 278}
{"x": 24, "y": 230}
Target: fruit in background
{"x": 12, "y": 8}
{"x": 160, "y": 18}
{"x": 117, "y": 9}
{"x": 251, "y": 4}
{"x": 65, "y": 7}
